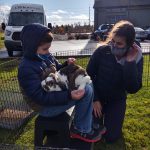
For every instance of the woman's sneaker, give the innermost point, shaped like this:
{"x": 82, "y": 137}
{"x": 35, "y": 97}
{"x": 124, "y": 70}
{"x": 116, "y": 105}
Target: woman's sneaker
{"x": 91, "y": 137}
{"x": 102, "y": 129}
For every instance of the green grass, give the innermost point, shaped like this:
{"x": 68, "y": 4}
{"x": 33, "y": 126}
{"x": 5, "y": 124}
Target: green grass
{"x": 136, "y": 125}
{"x": 1, "y": 40}
{"x": 136, "y": 128}
{"x": 8, "y": 75}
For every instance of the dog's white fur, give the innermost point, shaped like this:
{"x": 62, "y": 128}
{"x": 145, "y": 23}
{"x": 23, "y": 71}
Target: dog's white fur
{"x": 50, "y": 88}
{"x": 62, "y": 78}
{"x": 81, "y": 81}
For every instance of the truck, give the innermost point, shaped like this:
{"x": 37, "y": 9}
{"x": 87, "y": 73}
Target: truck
{"x": 19, "y": 16}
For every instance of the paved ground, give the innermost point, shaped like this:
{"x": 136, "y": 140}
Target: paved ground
{"x": 62, "y": 47}
{"x": 72, "y": 47}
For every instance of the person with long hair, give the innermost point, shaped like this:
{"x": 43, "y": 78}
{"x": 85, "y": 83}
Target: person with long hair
{"x": 116, "y": 69}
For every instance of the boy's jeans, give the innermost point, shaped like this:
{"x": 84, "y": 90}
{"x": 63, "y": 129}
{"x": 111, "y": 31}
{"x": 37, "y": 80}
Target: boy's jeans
{"x": 83, "y": 110}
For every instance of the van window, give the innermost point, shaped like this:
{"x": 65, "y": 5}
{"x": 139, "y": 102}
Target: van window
{"x": 23, "y": 18}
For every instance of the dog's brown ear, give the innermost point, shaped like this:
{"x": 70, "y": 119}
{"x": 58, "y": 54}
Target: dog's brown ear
{"x": 72, "y": 68}
{"x": 47, "y": 71}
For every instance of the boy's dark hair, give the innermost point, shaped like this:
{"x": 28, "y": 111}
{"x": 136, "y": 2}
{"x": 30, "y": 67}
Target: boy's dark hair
{"x": 48, "y": 38}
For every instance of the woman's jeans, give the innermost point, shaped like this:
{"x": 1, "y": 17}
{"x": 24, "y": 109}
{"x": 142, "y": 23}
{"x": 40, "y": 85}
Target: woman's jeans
{"x": 83, "y": 110}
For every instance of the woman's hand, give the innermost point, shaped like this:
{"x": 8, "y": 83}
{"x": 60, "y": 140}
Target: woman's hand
{"x": 77, "y": 94}
{"x": 97, "y": 107}
{"x": 133, "y": 52}
{"x": 71, "y": 61}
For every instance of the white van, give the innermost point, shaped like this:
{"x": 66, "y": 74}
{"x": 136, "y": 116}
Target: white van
{"x": 20, "y": 15}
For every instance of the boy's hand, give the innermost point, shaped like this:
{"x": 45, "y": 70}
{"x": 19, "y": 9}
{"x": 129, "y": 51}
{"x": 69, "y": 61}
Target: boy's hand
{"x": 71, "y": 61}
{"x": 97, "y": 107}
{"x": 77, "y": 94}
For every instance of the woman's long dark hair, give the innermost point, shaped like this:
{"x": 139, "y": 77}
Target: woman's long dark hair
{"x": 124, "y": 29}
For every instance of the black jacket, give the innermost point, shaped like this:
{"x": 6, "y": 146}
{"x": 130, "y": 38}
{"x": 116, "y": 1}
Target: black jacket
{"x": 111, "y": 80}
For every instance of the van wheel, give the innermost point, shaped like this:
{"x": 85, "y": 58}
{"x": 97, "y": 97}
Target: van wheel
{"x": 10, "y": 53}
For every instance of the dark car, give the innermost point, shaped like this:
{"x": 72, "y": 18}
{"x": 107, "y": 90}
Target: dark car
{"x": 140, "y": 33}
{"x": 148, "y": 33}
{"x": 102, "y": 32}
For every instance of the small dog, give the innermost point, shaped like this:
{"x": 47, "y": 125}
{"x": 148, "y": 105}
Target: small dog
{"x": 71, "y": 77}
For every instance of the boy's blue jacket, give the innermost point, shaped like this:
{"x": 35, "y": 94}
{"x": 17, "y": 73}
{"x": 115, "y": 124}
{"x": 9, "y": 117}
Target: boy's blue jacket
{"x": 31, "y": 68}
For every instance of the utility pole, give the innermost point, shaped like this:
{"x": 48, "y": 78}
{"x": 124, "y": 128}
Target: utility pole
{"x": 89, "y": 16}
{"x": 128, "y": 6}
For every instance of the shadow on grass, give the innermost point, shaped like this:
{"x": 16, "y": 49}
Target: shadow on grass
{"x": 9, "y": 66}
{"x": 118, "y": 145}
{"x": 8, "y": 136}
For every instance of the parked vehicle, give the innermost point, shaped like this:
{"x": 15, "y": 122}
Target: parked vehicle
{"x": 20, "y": 15}
{"x": 140, "y": 33}
{"x": 102, "y": 32}
{"x": 148, "y": 33}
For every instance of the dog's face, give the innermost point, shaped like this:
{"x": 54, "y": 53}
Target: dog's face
{"x": 51, "y": 83}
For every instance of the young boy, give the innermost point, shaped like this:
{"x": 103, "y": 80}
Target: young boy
{"x": 36, "y": 41}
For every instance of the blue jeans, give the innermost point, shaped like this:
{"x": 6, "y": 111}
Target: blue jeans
{"x": 83, "y": 110}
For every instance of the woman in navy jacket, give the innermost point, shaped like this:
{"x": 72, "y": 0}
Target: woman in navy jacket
{"x": 116, "y": 69}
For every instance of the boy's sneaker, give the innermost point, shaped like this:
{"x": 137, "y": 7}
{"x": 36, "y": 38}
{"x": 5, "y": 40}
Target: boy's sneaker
{"x": 91, "y": 137}
{"x": 102, "y": 129}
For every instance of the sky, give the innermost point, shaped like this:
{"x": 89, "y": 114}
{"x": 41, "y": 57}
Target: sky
{"x": 57, "y": 11}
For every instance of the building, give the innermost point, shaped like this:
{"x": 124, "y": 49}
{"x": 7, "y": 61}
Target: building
{"x": 111, "y": 11}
